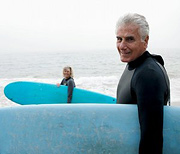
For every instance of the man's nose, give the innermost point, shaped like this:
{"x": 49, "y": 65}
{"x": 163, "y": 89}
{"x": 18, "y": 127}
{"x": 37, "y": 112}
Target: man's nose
{"x": 122, "y": 45}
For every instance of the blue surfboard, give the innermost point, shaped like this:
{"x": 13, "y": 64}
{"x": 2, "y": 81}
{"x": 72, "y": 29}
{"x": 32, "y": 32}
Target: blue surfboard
{"x": 80, "y": 129}
{"x": 25, "y": 93}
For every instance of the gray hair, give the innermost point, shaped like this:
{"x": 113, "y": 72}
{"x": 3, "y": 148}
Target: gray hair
{"x": 137, "y": 19}
{"x": 71, "y": 71}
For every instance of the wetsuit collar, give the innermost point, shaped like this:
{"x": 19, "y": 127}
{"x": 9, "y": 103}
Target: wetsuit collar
{"x": 134, "y": 64}
{"x": 67, "y": 78}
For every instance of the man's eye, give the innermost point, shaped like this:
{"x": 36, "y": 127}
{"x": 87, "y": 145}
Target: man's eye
{"x": 119, "y": 38}
{"x": 130, "y": 39}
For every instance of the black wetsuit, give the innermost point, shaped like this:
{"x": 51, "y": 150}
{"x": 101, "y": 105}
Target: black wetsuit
{"x": 145, "y": 83}
{"x": 71, "y": 84}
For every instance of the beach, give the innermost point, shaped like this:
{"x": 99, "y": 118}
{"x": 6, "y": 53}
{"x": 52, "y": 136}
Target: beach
{"x": 93, "y": 70}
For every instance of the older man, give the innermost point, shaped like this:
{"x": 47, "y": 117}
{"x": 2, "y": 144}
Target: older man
{"x": 144, "y": 81}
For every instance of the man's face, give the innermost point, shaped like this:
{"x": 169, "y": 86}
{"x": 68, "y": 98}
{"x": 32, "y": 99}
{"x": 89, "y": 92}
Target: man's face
{"x": 129, "y": 43}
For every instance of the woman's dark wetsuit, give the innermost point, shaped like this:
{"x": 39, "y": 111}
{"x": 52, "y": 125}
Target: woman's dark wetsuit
{"x": 71, "y": 84}
{"x": 145, "y": 83}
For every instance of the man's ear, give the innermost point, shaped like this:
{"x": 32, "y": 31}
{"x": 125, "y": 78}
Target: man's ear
{"x": 146, "y": 42}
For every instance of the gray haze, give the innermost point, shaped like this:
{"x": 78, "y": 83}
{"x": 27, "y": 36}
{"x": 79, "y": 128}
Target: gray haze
{"x": 73, "y": 25}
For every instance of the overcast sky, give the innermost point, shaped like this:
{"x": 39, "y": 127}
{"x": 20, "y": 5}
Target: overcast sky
{"x": 72, "y": 25}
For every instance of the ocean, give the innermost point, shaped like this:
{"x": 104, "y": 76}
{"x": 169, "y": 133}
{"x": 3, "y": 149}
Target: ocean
{"x": 93, "y": 70}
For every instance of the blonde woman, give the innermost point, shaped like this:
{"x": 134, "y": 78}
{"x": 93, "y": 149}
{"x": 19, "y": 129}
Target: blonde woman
{"x": 68, "y": 81}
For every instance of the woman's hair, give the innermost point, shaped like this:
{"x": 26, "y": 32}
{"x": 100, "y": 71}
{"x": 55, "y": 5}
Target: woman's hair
{"x": 71, "y": 71}
{"x": 137, "y": 19}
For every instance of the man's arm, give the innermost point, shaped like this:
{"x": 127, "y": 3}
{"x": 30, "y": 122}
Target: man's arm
{"x": 149, "y": 90}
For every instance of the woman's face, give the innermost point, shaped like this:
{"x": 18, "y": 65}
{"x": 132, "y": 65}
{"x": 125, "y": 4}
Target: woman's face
{"x": 66, "y": 73}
